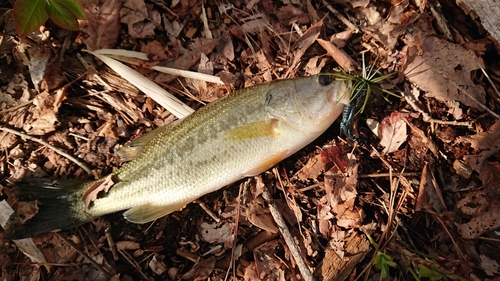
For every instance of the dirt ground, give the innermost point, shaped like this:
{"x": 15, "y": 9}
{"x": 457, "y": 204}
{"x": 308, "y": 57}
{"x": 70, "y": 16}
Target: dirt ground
{"x": 416, "y": 198}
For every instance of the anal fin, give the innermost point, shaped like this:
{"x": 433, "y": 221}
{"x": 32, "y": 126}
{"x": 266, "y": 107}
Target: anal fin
{"x": 150, "y": 212}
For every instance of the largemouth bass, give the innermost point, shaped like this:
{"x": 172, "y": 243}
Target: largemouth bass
{"x": 241, "y": 135}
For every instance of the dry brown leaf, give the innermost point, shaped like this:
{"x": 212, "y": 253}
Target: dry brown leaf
{"x": 44, "y": 114}
{"x": 290, "y": 14}
{"x": 7, "y": 140}
{"x": 260, "y": 216}
{"x": 475, "y": 203}
{"x": 308, "y": 244}
{"x": 490, "y": 266}
{"x": 312, "y": 169}
{"x": 17, "y": 87}
{"x": 154, "y": 50}
{"x": 103, "y": 24}
{"x": 324, "y": 215}
{"x": 354, "y": 3}
{"x": 488, "y": 141}
{"x": 251, "y": 273}
{"x": 108, "y": 130}
{"x": 338, "y": 55}
{"x": 427, "y": 198}
{"x": 140, "y": 19}
{"x": 44, "y": 73}
{"x": 420, "y": 142}
{"x": 253, "y": 27}
{"x": 92, "y": 192}
{"x": 301, "y": 45}
{"x": 490, "y": 177}
{"x": 289, "y": 208}
{"x": 341, "y": 194}
{"x": 483, "y": 223}
{"x": 313, "y": 66}
{"x": 127, "y": 245}
{"x": 334, "y": 154}
{"x": 485, "y": 140}
{"x": 392, "y": 133}
{"x": 133, "y": 11}
{"x": 266, "y": 266}
{"x": 201, "y": 270}
{"x": 189, "y": 59}
{"x": 58, "y": 252}
{"x": 441, "y": 68}
{"x": 340, "y": 39}
{"x": 216, "y": 233}
{"x": 157, "y": 265}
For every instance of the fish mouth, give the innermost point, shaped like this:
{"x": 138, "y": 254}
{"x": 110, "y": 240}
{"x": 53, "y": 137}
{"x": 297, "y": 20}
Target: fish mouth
{"x": 341, "y": 92}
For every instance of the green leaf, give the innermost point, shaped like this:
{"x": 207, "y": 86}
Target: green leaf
{"x": 430, "y": 273}
{"x": 29, "y": 15}
{"x": 62, "y": 16}
{"x": 74, "y": 6}
{"x": 382, "y": 262}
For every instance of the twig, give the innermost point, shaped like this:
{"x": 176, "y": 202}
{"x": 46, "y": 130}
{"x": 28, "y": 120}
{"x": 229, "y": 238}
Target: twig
{"x": 93, "y": 262}
{"x": 474, "y": 99}
{"x": 209, "y": 212}
{"x": 383, "y": 175}
{"x": 451, "y": 123}
{"x": 133, "y": 263}
{"x": 455, "y": 244}
{"x": 111, "y": 243}
{"x": 15, "y": 107}
{"x": 287, "y": 236}
{"x": 55, "y": 149}
{"x": 232, "y": 262}
{"x": 491, "y": 82}
{"x": 343, "y": 19}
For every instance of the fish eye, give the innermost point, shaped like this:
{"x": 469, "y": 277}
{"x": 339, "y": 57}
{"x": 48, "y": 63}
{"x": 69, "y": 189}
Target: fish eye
{"x": 324, "y": 80}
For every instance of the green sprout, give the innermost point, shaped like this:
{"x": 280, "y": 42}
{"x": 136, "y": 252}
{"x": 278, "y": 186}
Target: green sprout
{"x": 366, "y": 83}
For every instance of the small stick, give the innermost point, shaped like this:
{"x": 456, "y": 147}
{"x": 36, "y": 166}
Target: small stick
{"x": 451, "y": 123}
{"x": 209, "y": 212}
{"x": 55, "y": 149}
{"x": 287, "y": 236}
{"x": 491, "y": 82}
{"x": 232, "y": 262}
{"x": 93, "y": 262}
{"x": 15, "y": 107}
{"x": 473, "y": 98}
{"x": 111, "y": 243}
{"x": 383, "y": 175}
{"x": 343, "y": 19}
{"x": 133, "y": 263}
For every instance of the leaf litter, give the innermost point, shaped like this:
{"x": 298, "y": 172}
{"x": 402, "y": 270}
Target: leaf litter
{"x": 331, "y": 194}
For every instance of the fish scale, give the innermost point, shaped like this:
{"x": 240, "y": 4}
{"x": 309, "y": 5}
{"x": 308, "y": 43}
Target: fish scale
{"x": 240, "y": 135}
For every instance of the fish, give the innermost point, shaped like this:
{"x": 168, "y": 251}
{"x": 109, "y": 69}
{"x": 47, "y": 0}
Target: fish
{"x": 241, "y": 135}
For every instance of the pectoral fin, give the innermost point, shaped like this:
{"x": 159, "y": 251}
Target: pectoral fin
{"x": 252, "y": 130}
{"x": 150, "y": 212}
{"x": 266, "y": 164}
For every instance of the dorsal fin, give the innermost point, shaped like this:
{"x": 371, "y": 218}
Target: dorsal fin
{"x": 132, "y": 149}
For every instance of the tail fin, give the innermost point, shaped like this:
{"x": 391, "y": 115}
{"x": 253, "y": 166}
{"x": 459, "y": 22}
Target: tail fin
{"x": 60, "y": 207}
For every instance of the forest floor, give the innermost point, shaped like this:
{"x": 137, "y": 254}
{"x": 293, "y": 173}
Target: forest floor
{"x": 418, "y": 199}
